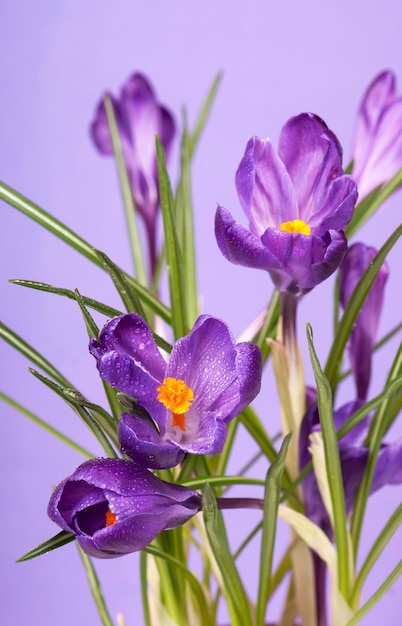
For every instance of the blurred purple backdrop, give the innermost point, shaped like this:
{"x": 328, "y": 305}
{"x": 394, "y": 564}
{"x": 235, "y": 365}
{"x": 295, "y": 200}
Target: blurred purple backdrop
{"x": 57, "y": 58}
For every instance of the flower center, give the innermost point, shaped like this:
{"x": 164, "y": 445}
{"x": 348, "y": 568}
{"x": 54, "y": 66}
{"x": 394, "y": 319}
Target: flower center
{"x": 111, "y": 518}
{"x": 296, "y": 226}
{"x": 176, "y": 396}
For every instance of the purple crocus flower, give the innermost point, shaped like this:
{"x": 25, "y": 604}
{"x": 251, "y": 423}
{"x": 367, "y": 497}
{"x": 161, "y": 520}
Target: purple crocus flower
{"x": 139, "y": 118}
{"x": 115, "y": 507}
{"x": 353, "y": 456}
{"x": 377, "y": 141}
{"x": 364, "y": 333}
{"x": 297, "y": 201}
{"x": 209, "y": 379}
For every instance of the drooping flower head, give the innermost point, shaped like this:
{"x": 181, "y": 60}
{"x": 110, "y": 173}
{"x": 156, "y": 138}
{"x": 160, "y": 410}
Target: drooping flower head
{"x": 139, "y": 118}
{"x": 377, "y": 140}
{"x": 297, "y": 201}
{"x": 364, "y": 333}
{"x": 208, "y": 380}
{"x": 115, "y": 507}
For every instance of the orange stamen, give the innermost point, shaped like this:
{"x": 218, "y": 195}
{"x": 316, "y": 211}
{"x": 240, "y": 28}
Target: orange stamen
{"x": 176, "y": 396}
{"x": 111, "y": 518}
{"x": 296, "y": 226}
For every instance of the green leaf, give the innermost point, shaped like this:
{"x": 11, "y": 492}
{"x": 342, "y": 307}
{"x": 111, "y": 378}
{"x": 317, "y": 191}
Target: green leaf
{"x": 95, "y": 588}
{"x": 376, "y": 550}
{"x": 221, "y": 481}
{"x": 172, "y": 248}
{"x": 126, "y": 192}
{"x": 203, "y": 116}
{"x": 64, "y": 233}
{"x": 30, "y": 353}
{"x": 51, "y": 544}
{"x": 377, "y": 431}
{"x": 273, "y": 485}
{"x": 269, "y": 328}
{"x": 127, "y": 294}
{"x": 53, "y": 431}
{"x": 204, "y": 611}
{"x": 333, "y": 468}
{"x": 234, "y": 592}
{"x": 372, "y": 202}
{"x": 381, "y": 591}
{"x": 68, "y": 293}
{"x": 353, "y": 308}
{"x": 77, "y": 402}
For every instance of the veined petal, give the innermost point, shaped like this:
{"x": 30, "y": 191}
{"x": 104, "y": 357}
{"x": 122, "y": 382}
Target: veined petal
{"x": 313, "y": 157}
{"x": 265, "y": 190}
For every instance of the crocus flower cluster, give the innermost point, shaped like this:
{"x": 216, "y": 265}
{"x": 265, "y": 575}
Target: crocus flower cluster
{"x": 209, "y": 379}
{"x": 116, "y": 506}
{"x": 139, "y": 118}
{"x": 377, "y": 141}
{"x": 298, "y": 203}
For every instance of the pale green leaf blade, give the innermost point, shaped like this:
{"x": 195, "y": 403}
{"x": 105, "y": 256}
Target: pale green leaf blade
{"x": 273, "y": 486}
{"x": 95, "y": 588}
{"x": 233, "y": 590}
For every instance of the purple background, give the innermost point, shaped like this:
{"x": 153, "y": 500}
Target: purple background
{"x": 278, "y": 59}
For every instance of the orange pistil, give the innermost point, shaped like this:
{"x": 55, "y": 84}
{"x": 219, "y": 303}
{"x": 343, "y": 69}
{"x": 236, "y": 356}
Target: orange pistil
{"x": 296, "y": 226}
{"x": 111, "y": 518}
{"x": 176, "y": 396}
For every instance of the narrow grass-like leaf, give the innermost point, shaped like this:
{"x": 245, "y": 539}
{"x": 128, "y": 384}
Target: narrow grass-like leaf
{"x": 68, "y": 293}
{"x": 127, "y": 294}
{"x": 188, "y": 244}
{"x": 353, "y": 308}
{"x": 382, "y": 540}
{"x": 30, "y": 353}
{"x": 254, "y": 426}
{"x": 55, "y": 542}
{"x": 70, "y": 397}
{"x": 381, "y": 591}
{"x": 40, "y": 422}
{"x": 269, "y": 328}
{"x": 144, "y": 588}
{"x": 273, "y": 485}
{"x": 95, "y": 588}
{"x": 204, "y": 611}
{"x": 127, "y": 195}
{"x": 370, "y": 204}
{"x": 64, "y": 233}
{"x": 203, "y": 116}
{"x": 333, "y": 467}
{"x": 91, "y": 326}
{"x": 378, "y": 428}
{"x": 234, "y": 592}
{"x": 172, "y": 248}
{"x": 222, "y": 481}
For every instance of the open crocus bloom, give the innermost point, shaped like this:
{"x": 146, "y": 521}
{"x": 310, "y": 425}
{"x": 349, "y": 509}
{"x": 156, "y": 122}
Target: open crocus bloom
{"x": 297, "y": 201}
{"x": 364, "y": 333}
{"x": 377, "y": 140}
{"x": 209, "y": 379}
{"x": 115, "y": 507}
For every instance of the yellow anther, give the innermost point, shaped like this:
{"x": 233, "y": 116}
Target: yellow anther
{"x": 296, "y": 226}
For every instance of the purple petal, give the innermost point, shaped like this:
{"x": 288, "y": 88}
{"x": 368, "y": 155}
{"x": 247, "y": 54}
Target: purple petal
{"x": 127, "y": 376}
{"x": 313, "y": 157}
{"x": 140, "y": 440}
{"x": 264, "y": 187}
{"x": 379, "y": 94}
{"x": 239, "y": 245}
{"x": 364, "y": 333}
{"x": 130, "y": 335}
